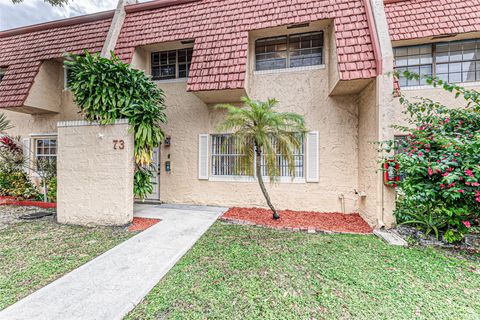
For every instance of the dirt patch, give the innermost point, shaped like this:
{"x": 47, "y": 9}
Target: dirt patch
{"x": 10, "y": 214}
{"x": 140, "y": 224}
{"x": 305, "y": 220}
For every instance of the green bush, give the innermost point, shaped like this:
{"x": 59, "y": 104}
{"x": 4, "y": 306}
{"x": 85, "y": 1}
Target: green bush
{"x": 440, "y": 162}
{"x": 17, "y": 184}
{"x": 108, "y": 89}
{"x": 52, "y": 190}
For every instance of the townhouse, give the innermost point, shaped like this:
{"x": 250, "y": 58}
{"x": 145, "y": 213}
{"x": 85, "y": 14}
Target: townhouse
{"x": 330, "y": 61}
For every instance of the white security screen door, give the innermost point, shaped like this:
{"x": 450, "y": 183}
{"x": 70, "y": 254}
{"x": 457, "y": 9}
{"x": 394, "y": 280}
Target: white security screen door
{"x": 155, "y": 195}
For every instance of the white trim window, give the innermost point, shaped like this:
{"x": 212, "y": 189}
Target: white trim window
{"x": 171, "y": 64}
{"x": 66, "y": 77}
{"x": 289, "y": 51}
{"x": 45, "y": 150}
{"x": 454, "y": 62}
{"x": 226, "y": 160}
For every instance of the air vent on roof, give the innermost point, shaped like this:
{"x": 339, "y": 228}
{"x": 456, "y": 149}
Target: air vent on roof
{"x": 300, "y": 25}
{"x": 187, "y": 41}
{"x": 443, "y": 36}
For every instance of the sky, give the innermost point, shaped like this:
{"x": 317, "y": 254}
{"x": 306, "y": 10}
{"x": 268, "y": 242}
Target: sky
{"x": 37, "y": 11}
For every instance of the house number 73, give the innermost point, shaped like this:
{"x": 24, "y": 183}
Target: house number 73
{"x": 118, "y": 144}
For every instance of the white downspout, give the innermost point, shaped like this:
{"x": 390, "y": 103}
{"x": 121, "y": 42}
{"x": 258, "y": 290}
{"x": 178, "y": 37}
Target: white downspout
{"x": 115, "y": 28}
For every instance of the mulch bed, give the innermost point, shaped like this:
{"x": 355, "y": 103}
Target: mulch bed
{"x": 26, "y": 203}
{"x": 141, "y": 224}
{"x": 300, "y": 220}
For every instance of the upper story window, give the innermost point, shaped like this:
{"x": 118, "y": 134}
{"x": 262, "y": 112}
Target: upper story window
{"x": 297, "y": 50}
{"x": 2, "y": 73}
{"x": 172, "y": 64}
{"x": 67, "y": 75}
{"x": 453, "y": 62}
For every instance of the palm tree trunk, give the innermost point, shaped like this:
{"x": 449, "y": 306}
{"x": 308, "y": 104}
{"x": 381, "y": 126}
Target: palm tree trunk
{"x": 262, "y": 184}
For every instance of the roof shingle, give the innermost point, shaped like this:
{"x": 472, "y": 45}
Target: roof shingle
{"x": 427, "y": 18}
{"x": 23, "y": 53}
{"x": 220, "y": 30}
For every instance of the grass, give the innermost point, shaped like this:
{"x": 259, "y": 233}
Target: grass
{"x": 33, "y": 254}
{"x": 240, "y": 272}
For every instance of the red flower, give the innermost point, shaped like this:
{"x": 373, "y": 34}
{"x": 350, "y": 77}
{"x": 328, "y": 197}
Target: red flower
{"x": 420, "y": 154}
{"x": 461, "y": 191}
{"x": 467, "y": 224}
{"x": 457, "y": 154}
{"x": 476, "y": 184}
{"x": 442, "y": 186}
{"x": 430, "y": 171}
{"x": 469, "y": 172}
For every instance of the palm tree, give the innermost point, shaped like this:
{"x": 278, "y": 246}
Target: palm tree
{"x": 261, "y": 133}
{"x": 4, "y": 123}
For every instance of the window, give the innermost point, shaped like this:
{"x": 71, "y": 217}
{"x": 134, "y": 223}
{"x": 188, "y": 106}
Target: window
{"x": 172, "y": 64}
{"x": 45, "y": 152}
{"x": 226, "y": 159}
{"x": 2, "y": 73}
{"x": 453, "y": 62}
{"x": 66, "y": 77}
{"x": 298, "y": 50}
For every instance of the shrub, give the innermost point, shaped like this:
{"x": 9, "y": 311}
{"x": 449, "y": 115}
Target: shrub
{"x": 17, "y": 184}
{"x": 440, "y": 162}
{"x": 52, "y": 190}
{"x": 108, "y": 89}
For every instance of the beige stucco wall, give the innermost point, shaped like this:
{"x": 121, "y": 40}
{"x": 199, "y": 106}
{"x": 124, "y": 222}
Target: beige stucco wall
{"x": 95, "y": 180}
{"x": 45, "y": 89}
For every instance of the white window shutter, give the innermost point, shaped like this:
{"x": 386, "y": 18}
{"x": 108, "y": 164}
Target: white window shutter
{"x": 203, "y": 157}
{"x": 312, "y": 157}
{"x": 27, "y": 154}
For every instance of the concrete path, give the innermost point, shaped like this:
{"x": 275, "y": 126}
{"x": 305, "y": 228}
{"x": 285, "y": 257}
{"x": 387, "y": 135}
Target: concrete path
{"x": 109, "y": 286}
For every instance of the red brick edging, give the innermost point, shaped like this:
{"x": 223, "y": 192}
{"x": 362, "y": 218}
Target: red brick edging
{"x": 303, "y": 229}
{"x": 26, "y": 203}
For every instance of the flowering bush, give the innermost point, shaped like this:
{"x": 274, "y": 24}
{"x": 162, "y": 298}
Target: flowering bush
{"x": 440, "y": 164}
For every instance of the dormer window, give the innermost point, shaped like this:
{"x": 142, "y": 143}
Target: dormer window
{"x": 2, "y": 73}
{"x": 454, "y": 62}
{"x": 171, "y": 64}
{"x": 290, "y": 51}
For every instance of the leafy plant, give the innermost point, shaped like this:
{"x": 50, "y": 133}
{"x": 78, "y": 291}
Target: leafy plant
{"x": 52, "y": 190}
{"x": 440, "y": 163}
{"x": 260, "y": 131}
{"x": 55, "y": 3}
{"x": 108, "y": 89}
{"x": 4, "y": 123}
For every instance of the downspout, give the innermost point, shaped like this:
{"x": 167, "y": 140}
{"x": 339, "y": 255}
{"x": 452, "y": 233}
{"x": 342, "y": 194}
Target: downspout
{"x": 115, "y": 28}
{"x": 378, "y": 27}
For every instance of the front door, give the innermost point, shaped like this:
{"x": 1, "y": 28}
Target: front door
{"x": 155, "y": 195}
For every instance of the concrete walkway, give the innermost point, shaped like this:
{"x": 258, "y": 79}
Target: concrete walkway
{"x": 109, "y": 286}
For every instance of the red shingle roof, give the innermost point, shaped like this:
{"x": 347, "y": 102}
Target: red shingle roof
{"x": 22, "y": 53}
{"x": 427, "y": 18}
{"x": 220, "y": 30}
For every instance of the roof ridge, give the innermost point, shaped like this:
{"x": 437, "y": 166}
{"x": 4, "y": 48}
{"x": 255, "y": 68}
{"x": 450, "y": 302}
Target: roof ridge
{"x": 58, "y": 23}
{"x": 149, "y": 5}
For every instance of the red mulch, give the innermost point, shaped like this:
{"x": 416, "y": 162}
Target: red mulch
{"x": 140, "y": 224}
{"x": 335, "y": 222}
{"x": 26, "y": 203}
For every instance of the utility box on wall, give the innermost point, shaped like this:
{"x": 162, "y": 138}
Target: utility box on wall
{"x": 95, "y": 167}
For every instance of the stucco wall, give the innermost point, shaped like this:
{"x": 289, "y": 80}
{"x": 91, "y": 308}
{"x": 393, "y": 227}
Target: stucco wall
{"x": 304, "y": 92}
{"x": 95, "y": 179}
{"x": 368, "y": 154}
{"x": 26, "y": 124}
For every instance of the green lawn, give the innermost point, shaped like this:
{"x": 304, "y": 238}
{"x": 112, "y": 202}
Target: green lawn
{"x": 240, "y": 272}
{"x": 33, "y": 254}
